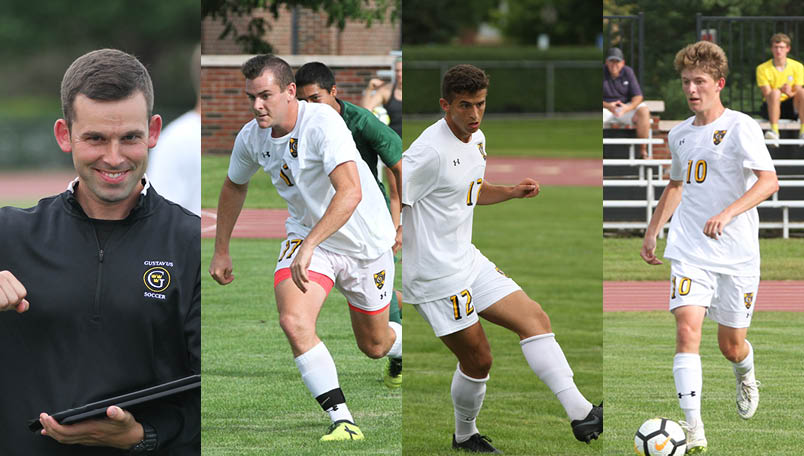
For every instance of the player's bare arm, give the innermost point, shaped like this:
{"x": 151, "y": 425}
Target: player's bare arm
{"x": 12, "y": 293}
{"x": 230, "y": 203}
{"x": 394, "y": 174}
{"x": 346, "y": 181}
{"x": 118, "y": 430}
{"x": 766, "y": 185}
{"x": 492, "y": 194}
{"x": 671, "y": 197}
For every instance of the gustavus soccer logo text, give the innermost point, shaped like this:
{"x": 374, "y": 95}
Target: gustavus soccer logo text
{"x": 718, "y": 137}
{"x": 749, "y": 299}
{"x": 294, "y": 147}
{"x": 379, "y": 279}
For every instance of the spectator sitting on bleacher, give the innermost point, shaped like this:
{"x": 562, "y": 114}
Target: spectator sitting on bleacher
{"x": 781, "y": 79}
{"x": 622, "y": 97}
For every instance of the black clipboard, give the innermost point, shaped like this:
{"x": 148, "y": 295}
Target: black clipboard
{"x": 98, "y": 408}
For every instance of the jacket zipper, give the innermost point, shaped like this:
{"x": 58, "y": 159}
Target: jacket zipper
{"x": 96, "y": 306}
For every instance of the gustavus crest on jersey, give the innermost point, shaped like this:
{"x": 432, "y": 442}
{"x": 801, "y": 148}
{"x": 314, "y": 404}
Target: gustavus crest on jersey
{"x": 718, "y": 137}
{"x": 482, "y": 152}
{"x": 379, "y": 279}
{"x": 294, "y": 147}
{"x": 749, "y": 299}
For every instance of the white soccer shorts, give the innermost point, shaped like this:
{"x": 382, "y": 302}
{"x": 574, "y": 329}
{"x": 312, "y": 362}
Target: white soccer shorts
{"x": 487, "y": 285}
{"x": 626, "y": 119}
{"x": 730, "y": 300}
{"x": 366, "y": 284}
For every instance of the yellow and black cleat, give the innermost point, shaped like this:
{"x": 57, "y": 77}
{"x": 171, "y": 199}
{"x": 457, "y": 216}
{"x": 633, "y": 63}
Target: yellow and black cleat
{"x": 343, "y": 430}
{"x": 393, "y": 373}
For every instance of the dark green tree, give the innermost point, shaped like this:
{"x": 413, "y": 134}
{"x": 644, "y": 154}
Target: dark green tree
{"x": 567, "y": 22}
{"x": 428, "y": 21}
{"x": 251, "y": 40}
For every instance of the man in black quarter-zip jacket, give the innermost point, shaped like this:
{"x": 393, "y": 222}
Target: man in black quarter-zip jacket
{"x": 105, "y": 282}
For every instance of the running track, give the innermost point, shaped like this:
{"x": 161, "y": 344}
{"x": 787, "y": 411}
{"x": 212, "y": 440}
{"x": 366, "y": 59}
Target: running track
{"x": 270, "y": 223}
{"x": 781, "y": 295}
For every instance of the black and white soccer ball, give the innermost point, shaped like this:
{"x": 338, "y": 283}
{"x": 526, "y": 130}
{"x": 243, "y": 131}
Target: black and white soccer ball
{"x": 660, "y": 437}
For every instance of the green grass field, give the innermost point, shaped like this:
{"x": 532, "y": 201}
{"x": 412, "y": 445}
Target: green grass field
{"x": 638, "y": 383}
{"x": 529, "y": 137}
{"x": 550, "y": 245}
{"x": 254, "y": 401}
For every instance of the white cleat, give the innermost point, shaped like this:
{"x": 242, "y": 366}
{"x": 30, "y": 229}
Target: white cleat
{"x": 696, "y": 440}
{"x": 747, "y": 395}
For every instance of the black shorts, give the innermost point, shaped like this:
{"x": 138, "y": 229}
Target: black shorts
{"x": 788, "y": 110}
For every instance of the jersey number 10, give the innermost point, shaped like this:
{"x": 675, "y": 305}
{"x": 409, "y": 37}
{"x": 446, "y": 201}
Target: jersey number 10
{"x": 700, "y": 171}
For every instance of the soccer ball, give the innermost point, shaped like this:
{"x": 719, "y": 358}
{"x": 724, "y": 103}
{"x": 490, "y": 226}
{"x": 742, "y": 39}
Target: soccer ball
{"x": 660, "y": 437}
{"x": 382, "y": 114}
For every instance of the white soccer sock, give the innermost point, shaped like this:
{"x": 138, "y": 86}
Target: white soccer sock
{"x": 467, "y": 398}
{"x": 320, "y": 376}
{"x": 548, "y": 362}
{"x": 746, "y": 365}
{"x": 396, "y": 348}
{"x": 689, "y": 382}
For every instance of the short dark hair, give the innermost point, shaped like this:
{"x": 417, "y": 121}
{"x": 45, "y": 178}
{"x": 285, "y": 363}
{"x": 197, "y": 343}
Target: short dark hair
{"x": 463, "y": 78}
{"x": 315, "y": 73}
{"x": 104, "y": 74}
{"x": 254, "y": 67}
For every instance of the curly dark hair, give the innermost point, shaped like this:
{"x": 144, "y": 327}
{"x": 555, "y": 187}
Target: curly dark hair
{"x": 464, "y": 78}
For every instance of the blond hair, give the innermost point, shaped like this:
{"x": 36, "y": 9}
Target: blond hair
{"x": 705, "y": 56}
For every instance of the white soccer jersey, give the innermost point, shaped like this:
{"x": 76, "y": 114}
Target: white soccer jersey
{"x": 715, "y": 162}
{"x": 441, "y": 179}
{"x": 174, "y": 165}
{"x": 299, "y": 164}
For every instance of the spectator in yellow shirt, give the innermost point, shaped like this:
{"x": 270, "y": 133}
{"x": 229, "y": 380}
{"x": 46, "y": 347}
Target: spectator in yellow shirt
{"x": 781, "y": 79}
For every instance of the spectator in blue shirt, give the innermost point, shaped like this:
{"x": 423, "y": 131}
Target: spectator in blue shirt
{"x": 622, "y": 97}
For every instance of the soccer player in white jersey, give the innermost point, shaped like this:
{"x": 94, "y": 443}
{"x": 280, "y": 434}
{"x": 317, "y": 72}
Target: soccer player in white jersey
{"x": 721, "y": 170}
{"x": 339, "y": 230}
{"x": 450, "y": 282}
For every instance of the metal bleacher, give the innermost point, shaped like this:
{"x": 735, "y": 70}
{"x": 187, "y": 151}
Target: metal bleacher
{"x": 632, "y": 188}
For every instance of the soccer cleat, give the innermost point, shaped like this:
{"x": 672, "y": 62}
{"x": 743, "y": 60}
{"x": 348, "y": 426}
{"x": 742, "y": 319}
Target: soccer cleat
{"x": 393, "y": 373}
{"x": 591, "y": 427}
{"x": 772, "y": 135}
{"x": 342, "y": 430}
{"x": 696, "y": 440}
{"x": 747, "y": 395}
{"x": 476, "y": 444}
